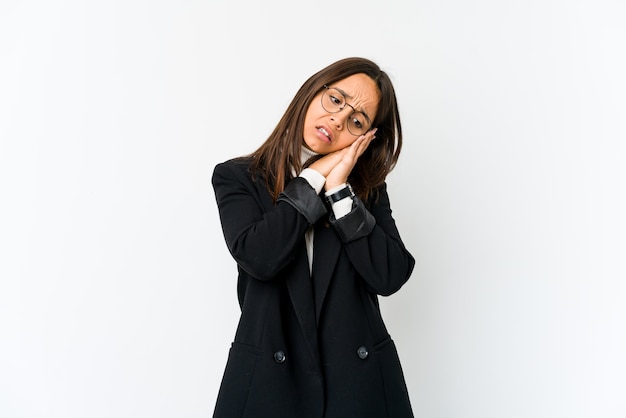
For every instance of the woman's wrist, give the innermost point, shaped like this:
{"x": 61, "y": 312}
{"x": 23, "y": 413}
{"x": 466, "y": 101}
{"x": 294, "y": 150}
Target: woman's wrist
{"x": 314, "y": 177}
{"x": 334, "y": 181}
{"x": 338, "y": 193}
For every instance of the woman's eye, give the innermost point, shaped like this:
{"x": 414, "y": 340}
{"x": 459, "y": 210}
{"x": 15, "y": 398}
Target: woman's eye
{"x": 336, "y": 100}
{"x": 358, "y": 123}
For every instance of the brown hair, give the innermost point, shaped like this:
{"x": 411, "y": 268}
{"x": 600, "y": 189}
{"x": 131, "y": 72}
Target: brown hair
{"x": 280, "y": 153}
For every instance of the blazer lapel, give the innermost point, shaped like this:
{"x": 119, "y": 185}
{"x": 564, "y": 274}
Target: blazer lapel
{"x": 301, "y": 294}
{"x": 326, "y": 250}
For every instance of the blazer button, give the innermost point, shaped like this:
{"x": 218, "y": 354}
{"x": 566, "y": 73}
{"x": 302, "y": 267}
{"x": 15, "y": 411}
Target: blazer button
{"x": 362, "y": 352}
{"x": 279, "y": 357}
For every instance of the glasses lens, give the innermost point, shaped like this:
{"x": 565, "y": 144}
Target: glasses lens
{"x": 357, "y": 124}
{"x": 333, "y": 101}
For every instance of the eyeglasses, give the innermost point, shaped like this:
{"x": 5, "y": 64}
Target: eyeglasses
{"x": 334, "y": 101}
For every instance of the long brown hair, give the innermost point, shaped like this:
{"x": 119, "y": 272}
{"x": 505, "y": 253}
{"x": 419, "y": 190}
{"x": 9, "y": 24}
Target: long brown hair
{"x": 280, "y": 153}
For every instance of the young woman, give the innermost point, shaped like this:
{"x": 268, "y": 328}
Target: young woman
{"x": 308, "y": 221}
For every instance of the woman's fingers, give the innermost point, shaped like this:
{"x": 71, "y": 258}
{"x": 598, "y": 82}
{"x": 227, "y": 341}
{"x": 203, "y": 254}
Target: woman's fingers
{"x": 338, "y": 165}
{"x": 340, "y": 172}
{"x": 325, "y": 164}
{"x": 361, "y": 144}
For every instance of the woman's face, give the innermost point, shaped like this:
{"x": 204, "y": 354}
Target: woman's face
{"x": 325, "y": 132}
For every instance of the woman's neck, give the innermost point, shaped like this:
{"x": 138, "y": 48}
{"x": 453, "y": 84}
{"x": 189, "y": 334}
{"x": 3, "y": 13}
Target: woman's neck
{"x": 306, "y": 153}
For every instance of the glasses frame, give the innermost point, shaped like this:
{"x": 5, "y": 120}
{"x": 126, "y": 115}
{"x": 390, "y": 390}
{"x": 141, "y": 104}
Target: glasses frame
{"x": 345, "y": 103}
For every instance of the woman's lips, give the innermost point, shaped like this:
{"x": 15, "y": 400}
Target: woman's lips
{"x": 325, "y": 134}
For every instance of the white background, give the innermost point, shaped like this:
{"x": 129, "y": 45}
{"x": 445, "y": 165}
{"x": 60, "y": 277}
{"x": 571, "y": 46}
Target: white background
{"x": 117, "y": 293}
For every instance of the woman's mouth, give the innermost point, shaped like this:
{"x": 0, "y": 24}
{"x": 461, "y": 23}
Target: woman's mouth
{"x": 325, "y": 133}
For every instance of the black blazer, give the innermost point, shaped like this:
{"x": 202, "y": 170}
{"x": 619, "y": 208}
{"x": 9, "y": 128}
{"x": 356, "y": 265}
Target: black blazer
{"x": 309, "y": 345}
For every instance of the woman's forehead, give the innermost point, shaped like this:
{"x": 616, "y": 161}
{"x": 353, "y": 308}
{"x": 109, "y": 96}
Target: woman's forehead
{"x": 360, "y": 89}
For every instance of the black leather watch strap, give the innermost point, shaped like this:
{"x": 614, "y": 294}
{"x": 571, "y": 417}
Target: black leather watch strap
{"x": 340, "y": 194}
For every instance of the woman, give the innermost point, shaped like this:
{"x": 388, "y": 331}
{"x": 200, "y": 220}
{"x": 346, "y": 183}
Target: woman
{"x": 308, "y": 221}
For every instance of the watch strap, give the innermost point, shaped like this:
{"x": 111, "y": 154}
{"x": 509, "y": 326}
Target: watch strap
{"x": 340, "y": 194}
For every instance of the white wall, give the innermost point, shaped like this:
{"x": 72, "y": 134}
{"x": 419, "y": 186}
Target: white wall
{"x": 117, "y": 294}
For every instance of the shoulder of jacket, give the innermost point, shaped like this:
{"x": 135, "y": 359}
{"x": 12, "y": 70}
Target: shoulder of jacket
{"x": 239, "y": 164}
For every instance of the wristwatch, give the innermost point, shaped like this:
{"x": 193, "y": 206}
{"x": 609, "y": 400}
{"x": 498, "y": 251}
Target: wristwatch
{"x": 340, "y": 194}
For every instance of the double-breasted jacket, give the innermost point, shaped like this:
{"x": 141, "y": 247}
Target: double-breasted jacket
{"x": 309, "y": 344}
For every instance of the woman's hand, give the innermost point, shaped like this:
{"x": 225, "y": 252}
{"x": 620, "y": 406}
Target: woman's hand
{"x": 338, "y": 165}
{"x": 325, "y": 164}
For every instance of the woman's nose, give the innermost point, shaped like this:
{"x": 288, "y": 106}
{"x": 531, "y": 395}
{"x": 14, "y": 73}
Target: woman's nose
{"x": 339, "y": 118}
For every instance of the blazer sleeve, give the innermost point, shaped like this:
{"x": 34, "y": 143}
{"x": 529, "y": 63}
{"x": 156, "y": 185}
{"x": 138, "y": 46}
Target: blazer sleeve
{"x": 262, "y": 237}
{"x": 373, "y": 244}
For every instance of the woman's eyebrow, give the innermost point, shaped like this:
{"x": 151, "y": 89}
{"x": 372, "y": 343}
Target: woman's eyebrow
{"x": 347, "y": 96}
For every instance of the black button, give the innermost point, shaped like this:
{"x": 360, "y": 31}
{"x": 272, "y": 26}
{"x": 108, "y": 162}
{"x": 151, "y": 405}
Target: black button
{"x": 279, "y": 357}
{"x": 362, "y": 352}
